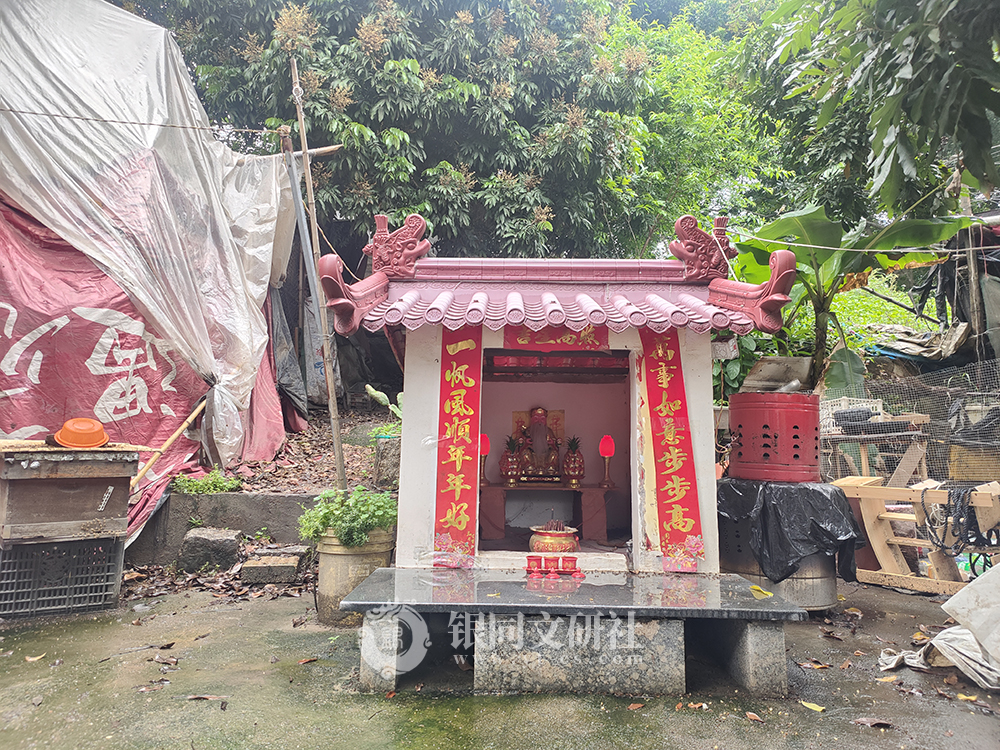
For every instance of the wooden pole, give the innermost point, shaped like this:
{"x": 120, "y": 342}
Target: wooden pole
{"x": 170, "y": 441}
{"x": 331, "y": 384}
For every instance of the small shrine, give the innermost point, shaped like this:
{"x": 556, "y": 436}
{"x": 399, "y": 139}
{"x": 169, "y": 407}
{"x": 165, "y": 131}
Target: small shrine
{"x": 566, "y": 396}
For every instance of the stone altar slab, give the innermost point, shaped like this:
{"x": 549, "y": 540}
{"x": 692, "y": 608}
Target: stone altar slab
{"x": 612, "y": 632}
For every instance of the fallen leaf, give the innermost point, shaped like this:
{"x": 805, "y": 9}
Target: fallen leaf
{"x": 951, "y": 680}
{"x": 299, "y": 621}
{"x": 846, "y": 664}
{"x": 224, "y": 705}
{"x": 702, "y": 706}
{"x": 964, "y": 697}
{"x": 37, "y": 701}
{"x": 860, "y": 653}
{"x": 496, "y": 594}
{"x": 274, "y": 659}
{"x": 813, "y": 664}
{"x": 634, "y": 706}
{"x": 841, "y": 598}
{"x": 754, "y": 717}
{"x": 827, "y": 633}
{"x": 888, "y": 678}
{"x": 391, "y": 694}
{"x": 205, "y": 635}
{"x": 56, "y": 663}
{"x": 34, "y": 658}
{"x": 8, "y": 653}
{"x": 679, "y": 706}
{"x": 874, "y": 723}
{"x": 149, "y": 688}
{"x": 307, "y": 661}
{"x": 166, "y": 646}
{"x": 813, "y": 706}
{"x": 943, "y": 694}
{"x": 419, "y": 686}
{"x": 133, "y": 575}
{"x": 759, "y": 593}
{"x": 165, "y": 659}
{"x": 949, "y": 733}
{"x": 137, "y": 621}
{"x": 207, "y": 697}
{"x": 883, "y": 640}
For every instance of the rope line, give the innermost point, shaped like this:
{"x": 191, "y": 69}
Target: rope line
{"x": 82, "y": 118}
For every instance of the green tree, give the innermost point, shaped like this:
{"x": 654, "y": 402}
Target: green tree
{"x": 514, "y": 127}
{"x": 875, "y": 93}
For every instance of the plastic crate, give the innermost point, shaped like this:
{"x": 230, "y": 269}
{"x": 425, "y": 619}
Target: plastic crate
{"x": 829, "y": 406}
{"x": 63, "y": 577}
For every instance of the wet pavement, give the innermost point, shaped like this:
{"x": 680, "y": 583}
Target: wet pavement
{"x": 247, "y": 676}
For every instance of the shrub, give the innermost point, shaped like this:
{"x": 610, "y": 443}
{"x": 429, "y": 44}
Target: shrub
{"x": 350, "y": 516}
{"x": 214, "y": 481}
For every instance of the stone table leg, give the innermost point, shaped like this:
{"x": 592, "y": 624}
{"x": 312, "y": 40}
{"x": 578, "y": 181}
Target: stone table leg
{"x": 379, "y": 642}
{"x": 753, "y": 652}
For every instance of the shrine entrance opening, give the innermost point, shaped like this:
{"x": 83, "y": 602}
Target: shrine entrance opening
{"x": 536, "y": 408}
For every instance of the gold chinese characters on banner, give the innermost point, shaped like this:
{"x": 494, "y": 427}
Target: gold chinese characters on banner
{"x": 678, "y": 516}
{"x": 458, "y": 447}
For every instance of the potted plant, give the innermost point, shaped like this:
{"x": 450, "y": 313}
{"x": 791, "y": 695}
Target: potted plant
{"x": 354, "y": 534}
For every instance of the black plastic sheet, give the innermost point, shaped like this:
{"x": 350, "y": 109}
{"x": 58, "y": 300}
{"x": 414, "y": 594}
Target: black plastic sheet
{"x": 792, "y": 520}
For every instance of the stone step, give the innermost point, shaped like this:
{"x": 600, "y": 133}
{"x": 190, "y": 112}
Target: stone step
{"x": 271, "y": 569}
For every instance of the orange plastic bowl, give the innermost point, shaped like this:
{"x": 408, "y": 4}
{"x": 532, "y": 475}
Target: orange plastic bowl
{"x": 82, "y": 432}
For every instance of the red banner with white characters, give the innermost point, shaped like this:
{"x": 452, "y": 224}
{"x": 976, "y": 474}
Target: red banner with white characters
{"x": 458, "y": 447}
{"x": 678, "y": 516}
{"x": 555, "y": 338}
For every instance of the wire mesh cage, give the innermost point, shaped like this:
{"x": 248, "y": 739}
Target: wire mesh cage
{"x": 954, "y": 414}
{"x": 62, "y": 577}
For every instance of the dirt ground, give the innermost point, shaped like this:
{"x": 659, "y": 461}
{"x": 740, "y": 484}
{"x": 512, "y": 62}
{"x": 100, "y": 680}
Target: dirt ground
{"x": 306, "y": 462}
{"x": 203, "y": 669}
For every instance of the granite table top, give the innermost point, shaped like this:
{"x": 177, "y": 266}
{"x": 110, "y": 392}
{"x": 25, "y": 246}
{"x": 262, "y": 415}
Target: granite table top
{"x": 665, "y": 596}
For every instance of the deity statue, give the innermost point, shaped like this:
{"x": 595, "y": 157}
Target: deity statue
{"x": 540, "y": 447}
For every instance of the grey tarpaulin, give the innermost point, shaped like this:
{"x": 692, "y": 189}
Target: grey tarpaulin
{"x": 289, "y": 373}
{"x": 790, "y": 521}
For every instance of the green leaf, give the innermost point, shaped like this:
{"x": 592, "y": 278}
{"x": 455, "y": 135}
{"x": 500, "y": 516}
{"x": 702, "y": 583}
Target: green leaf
{"x": 810, "y": 226}
{"x": 846, "y": 370}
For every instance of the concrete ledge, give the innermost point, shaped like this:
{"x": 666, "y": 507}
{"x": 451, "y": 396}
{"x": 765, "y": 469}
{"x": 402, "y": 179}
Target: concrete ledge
{"x": 160, "y": 540}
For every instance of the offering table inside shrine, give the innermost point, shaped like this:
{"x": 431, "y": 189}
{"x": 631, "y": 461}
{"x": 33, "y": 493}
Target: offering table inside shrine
{"x": 591, "y": 500}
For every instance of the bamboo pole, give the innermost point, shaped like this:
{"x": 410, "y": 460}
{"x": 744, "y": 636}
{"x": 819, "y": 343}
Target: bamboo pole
{"x": 170, "y": 441}
{"x": 313, "y": 240}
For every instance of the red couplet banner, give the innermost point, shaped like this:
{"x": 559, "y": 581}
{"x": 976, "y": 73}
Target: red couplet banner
{"x": 679, "y": 518}
{"x": 458, "y": 447}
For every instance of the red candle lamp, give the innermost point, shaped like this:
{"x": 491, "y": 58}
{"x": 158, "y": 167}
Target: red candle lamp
{"x": 607, "y": 449}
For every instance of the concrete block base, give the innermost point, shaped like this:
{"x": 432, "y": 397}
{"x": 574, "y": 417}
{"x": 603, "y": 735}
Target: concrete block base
{"x": 581, "y": 654}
